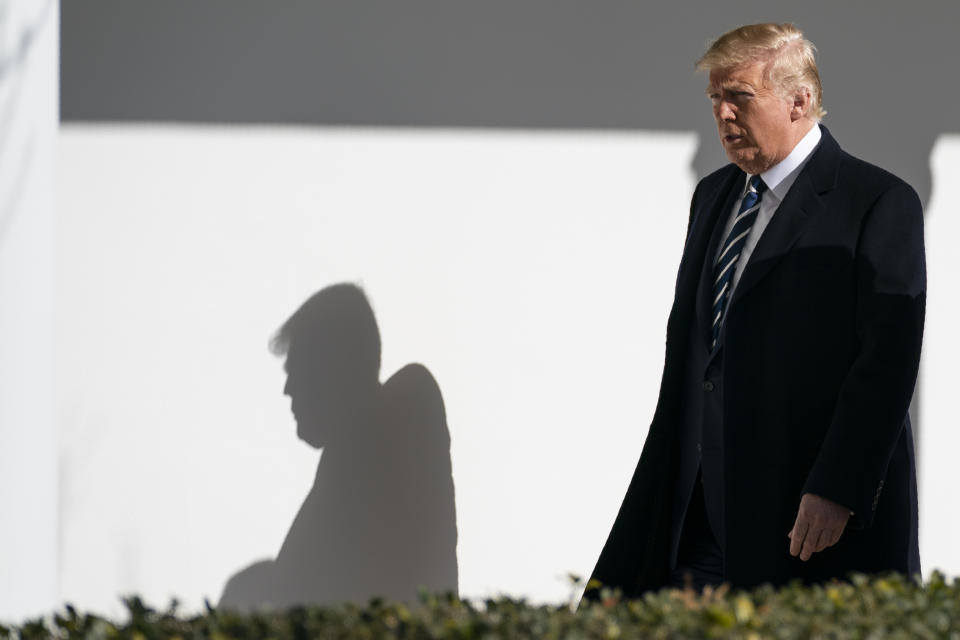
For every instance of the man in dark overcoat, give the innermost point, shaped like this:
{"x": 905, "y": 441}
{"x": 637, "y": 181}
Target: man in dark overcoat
{"x": 781, "y": 445}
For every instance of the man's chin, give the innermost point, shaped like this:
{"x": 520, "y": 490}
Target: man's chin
{"x": 748, "y": 161}
{"x": 311, "y": 439}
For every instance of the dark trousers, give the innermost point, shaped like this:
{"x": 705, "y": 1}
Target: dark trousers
{"x": 699, "y": 559}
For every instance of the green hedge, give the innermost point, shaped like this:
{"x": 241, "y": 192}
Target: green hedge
{"x": 877, "y": 607}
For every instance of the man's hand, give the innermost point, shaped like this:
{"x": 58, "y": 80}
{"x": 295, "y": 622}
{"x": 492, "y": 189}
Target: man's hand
{"x": 819, "y": 525}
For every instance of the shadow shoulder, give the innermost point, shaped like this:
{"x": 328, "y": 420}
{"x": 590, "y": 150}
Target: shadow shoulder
{"x": 413, "y": 395}
{"x": 412, "y": 377}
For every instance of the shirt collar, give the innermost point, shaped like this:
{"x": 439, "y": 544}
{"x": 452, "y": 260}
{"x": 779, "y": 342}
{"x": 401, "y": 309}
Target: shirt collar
{"x": 781, "y": 176}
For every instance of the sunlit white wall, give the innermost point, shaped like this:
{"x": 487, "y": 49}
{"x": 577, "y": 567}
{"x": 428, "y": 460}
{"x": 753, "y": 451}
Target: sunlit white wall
{"x": 532, "y": 273}
{"x": 28, "y": 463}
{"x": 939, "y": 449}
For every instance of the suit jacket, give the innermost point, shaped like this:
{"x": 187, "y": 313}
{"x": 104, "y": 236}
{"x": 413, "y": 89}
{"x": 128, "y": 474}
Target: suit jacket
{"x": 820, "y": 353}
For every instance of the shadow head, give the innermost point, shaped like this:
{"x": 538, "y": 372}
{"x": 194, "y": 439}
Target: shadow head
{"x": 332, "y": 349}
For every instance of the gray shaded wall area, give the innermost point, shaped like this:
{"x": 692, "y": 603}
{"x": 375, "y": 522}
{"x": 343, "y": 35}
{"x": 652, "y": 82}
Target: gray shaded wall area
{"x": 609, "y": 64}
{"x": 380, "y": 519}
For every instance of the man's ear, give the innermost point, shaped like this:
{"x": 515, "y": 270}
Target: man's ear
{"x": 802, "y": 98}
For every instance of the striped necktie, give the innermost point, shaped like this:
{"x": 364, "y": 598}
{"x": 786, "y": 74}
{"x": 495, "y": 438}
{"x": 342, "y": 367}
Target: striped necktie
{"x": 725, "y": 266}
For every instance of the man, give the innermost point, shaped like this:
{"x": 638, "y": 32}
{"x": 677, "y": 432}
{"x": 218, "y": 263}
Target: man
{"x": 781, "y": 445}
{"x": 380, "y": 519}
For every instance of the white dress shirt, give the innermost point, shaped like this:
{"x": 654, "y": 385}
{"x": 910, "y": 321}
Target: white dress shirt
{"x": 778, "y": 178}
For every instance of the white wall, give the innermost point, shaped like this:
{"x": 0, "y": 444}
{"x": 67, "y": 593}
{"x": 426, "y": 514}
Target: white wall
{"x": 28, "y": 462}
{"x": 532, "y": 273}
{"x": 940, "y": 437}
{"x": 528, "y": 271}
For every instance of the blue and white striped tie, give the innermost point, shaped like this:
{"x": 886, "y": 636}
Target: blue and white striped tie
{"x": 727, "y": 262}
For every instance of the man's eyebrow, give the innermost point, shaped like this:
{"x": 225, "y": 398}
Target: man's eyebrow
{"x": 729, "y": 86}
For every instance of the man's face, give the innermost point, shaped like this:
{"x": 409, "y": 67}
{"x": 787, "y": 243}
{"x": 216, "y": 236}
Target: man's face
{"x": 313, "y": 398}
{"x": 755, "y": 122}
{"x": 327, "y": 397}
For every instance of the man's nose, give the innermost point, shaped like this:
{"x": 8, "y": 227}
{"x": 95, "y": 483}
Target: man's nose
{"x": 724, "y": 111}
{"x": 286, "y": 387}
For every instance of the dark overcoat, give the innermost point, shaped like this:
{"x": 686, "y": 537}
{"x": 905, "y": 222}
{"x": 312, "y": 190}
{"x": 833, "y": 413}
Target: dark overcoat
{"x": 822, "y": 345}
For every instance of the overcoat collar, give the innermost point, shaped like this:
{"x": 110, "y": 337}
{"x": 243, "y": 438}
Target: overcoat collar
{"x": 801, "y": 204}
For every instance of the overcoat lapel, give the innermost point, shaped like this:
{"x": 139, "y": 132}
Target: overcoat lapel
{"x": 801, "y": 204}
{"x": 718, "y": 213}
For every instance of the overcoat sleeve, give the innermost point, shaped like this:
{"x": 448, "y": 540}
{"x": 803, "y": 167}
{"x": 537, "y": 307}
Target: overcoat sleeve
{"x": 871, "y": 408}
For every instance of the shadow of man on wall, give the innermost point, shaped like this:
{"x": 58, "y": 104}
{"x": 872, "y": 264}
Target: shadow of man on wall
{"x": 380, "y": 519}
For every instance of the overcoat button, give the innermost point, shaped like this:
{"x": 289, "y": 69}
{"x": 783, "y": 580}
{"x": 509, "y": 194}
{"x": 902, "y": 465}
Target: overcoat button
{"x": 708, "y": 386}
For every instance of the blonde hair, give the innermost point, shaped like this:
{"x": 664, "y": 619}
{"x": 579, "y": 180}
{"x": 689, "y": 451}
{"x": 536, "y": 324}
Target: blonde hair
{"x": 791, "y": 61}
